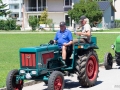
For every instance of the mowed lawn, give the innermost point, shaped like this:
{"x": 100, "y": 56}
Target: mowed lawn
{"x": 11, "y": 43}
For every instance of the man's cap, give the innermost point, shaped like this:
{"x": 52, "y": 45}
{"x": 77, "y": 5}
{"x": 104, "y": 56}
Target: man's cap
{"x": 62, "y": 23}
{"x": 82, "y": 17}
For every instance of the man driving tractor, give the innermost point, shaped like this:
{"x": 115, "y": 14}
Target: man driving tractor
{"x": 64, "y": 39}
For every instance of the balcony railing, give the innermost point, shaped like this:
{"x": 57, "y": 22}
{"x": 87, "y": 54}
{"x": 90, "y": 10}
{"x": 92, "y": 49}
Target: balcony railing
{"x": 15, "y": 1}
{"x": 32, "y": 9}
{"x": 66, "y": 8}
{"x": 37, "y": 9}
{"x": 15, "y": 10}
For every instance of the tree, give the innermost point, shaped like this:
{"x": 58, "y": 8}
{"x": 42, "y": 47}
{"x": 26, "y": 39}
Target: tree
{"x": 33, "y": 22}
{"x": 50, "y": 23}
{"x": 45, "y": 20}
{"x": 88, "y": 8}
{"x": 3, "y": 11}
{"x": 44, "y": 17}
{"x": 103, "y": 0}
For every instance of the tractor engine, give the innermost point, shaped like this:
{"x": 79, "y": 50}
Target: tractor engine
{"x": 37, "y": 60}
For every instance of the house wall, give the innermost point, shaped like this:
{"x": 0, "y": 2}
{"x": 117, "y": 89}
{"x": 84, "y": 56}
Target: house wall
{"x": 57, "y": 17}
{"x": 25, "y": 3}
{"x": 107, "y": 18}
{"x": 55, "y": 5}
{"x": 112, "y": 18}
{"x": 55, "y": 11}
{"x": 117, "y": 7}
{"x": 10, "y": 6}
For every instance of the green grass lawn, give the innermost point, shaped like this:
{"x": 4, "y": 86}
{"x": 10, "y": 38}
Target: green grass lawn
{"x": 109, "y": 30}
{"x": 11, "y": 43}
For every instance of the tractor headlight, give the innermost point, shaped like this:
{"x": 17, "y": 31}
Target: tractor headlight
{"x": 80, "y": 46}
{"x": 22, "y": 72}
{"x": 112, "y": 46}
{"x": 28, "y": 76}
{"x": 33, "y": 72}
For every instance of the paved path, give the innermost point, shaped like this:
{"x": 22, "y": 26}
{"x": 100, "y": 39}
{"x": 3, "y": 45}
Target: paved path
{"x": 107, "y": 80}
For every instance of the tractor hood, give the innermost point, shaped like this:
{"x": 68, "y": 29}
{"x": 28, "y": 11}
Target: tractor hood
{"x": 117, "y": 44}
{"x": 41, "y": 48}
{"x": 118, "y": 39}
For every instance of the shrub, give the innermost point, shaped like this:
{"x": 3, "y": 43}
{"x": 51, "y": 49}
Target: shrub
{"x": 2, "y": 24}
{"x": 18, "y": 27}
{"x": 117, "y": 23}
{"x": 8, "y": 24}
{"x": 33, "y": 22}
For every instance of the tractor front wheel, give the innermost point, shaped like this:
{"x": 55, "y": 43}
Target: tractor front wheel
{"x": 108, "y": 61}
{"x": 118, "y": 62}
{"x": 46, "y": 82}
{"x": 88, "y": 69}
{"x": 11, "y": 81}
{"x": 56, "y": 81}
{"x": 117, "y": 57}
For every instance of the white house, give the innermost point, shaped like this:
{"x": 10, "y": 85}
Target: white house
{"x": 15, "y": 6}
{"x": 57, "y": 10}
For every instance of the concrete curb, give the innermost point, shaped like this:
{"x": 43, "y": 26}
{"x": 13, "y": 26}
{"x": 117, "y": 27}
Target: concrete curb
{"x": 32, "y": 82}
{"x": 29, "y": 83}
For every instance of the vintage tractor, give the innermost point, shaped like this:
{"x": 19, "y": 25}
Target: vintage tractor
{"x": 44, "y": 63}
{"x": 108, "y": 59}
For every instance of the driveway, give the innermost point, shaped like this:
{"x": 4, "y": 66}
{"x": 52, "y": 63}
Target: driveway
{"x": 107, "y": 80}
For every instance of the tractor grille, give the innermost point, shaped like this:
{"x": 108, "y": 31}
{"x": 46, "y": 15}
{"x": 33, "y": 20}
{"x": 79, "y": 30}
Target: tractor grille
{"x": 117, "y": 46}
{"x": 28, "y": 60}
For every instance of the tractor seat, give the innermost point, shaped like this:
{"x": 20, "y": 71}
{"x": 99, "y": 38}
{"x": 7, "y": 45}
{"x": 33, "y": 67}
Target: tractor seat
{"x": 92, "y": 40}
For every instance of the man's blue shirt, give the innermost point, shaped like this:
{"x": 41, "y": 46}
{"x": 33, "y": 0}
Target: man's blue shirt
{"x": 63, "y": 37}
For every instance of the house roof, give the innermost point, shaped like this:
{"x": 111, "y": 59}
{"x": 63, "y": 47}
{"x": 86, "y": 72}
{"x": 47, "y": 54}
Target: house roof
{"x": 105, "y": 4}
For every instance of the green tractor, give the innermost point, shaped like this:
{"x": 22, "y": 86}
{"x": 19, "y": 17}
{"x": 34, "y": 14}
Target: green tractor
{"x": 44, "y": 63}
{"x": 108, "y": 59}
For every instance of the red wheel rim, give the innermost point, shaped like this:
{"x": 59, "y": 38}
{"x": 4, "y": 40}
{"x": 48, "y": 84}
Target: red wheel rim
{"x": 58, "y": 83}
{"x": 92, "y": 68}
{"x": 19, "y": 85}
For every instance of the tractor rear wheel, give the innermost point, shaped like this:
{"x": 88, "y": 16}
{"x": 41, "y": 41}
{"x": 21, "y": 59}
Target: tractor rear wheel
{"x": 56, "y": 81}
{"x": 88, "y": 68}
{"x": 11, "y": 81}
{"x": 108, "y": 61}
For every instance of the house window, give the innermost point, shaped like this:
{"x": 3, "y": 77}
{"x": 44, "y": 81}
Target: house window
{"x": 36, "y": 5}
{"x": 13, "y": 6}
{"x": 41, "y": 5}
{"x": 68, "y": 2}
{"x": 32, "y": 5}
{"x": 68, "y": 20}
{"x": 67, "y": 5}
{"x": 44, "y": 3}
{"x": 14, "y": 16}
{"x": 38, "y": 16}
{"x": 16, "y": 7}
